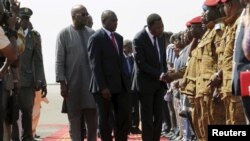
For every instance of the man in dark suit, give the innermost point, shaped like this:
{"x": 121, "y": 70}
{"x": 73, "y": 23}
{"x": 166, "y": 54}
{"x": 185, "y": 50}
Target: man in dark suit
{"x": 135, "y": 113}
{"x": 109, "y": 83}
{"x": 150, "y": 68}
{"x": 31, "y": 74}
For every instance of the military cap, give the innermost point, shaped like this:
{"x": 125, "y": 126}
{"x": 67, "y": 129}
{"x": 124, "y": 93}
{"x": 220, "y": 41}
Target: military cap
{"x": 25, "y": 12}
{"x": 196, "y": 20}
{"x": 211, "y": 2}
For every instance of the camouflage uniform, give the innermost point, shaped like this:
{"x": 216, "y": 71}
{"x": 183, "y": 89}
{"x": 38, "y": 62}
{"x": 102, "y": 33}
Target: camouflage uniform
{"x": 217, "y": 109}
{"x": 189, "y": 89}
{"x": 234, "y": 109}
{"x": 205, "y": 68}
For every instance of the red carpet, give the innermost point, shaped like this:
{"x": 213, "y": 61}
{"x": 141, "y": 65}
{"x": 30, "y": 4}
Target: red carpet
{"x": 62, "y": 135}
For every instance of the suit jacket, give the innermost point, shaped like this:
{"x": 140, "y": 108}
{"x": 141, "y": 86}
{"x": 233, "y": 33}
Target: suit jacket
{"x": 31, "y": 60}
{"x": 240, "y": 61}
{"x": 106, "y": 63}
{"x": 147, "y": 68}
{"x": 129, "y": 65}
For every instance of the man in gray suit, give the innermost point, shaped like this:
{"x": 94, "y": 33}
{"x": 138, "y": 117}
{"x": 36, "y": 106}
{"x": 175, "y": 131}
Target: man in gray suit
{"x": 73, "y": 73}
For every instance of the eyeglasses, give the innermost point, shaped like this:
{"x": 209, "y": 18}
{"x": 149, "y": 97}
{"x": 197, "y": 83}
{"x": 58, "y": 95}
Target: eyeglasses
{"x": 85, "y": 14}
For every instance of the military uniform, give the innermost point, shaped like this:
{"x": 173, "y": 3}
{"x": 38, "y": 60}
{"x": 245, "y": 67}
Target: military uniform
{"x": 31, "y": 71}
{"x": 217, "y": 110}
{"x": 204, "y": 69}
{"x": 234, "y": 109}
{"x": 189, "y": 89}
{"x": 188, "y": 86}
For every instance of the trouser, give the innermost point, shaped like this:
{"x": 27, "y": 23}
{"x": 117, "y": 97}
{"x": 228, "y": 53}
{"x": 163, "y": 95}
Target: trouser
{"x": 151, "y": 110}
{"x": 135, "y": 112}
{"x": 25, "y": 101}
{"x": 201, "y": 108}
{"x": 166, "y": 116}
{"x": 184, "y": 104}
{"x": 83, "y": 127}
{"x": 176, "y": 102}
{"x": 75, "y": 122}
{"x": 234, "y": 110}
{"x": 172, "y": 114}
{"x": 217, "y": 113}
{"x": 17, "y": 128}
{"x": 120, "y": 102}
{"x": 195, "y": 114}
{"x": 7, "y": 113}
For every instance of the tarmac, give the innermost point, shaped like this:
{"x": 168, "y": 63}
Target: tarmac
{"x": 53, "y": 125}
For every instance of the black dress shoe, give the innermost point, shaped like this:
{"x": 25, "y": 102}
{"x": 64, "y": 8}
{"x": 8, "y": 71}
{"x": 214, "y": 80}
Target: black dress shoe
{"x": 135, "y": 131}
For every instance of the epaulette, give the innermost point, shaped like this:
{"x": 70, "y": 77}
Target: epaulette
{"x": 36, "y": 32}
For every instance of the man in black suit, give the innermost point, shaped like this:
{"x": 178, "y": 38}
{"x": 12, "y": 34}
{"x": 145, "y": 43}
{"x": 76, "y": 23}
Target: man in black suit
{"x": 150, "y": 68}
{"x": 109, "y": 83}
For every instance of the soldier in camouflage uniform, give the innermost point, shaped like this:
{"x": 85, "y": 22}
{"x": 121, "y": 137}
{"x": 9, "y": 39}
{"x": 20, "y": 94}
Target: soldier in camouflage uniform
{"x": 31, "y": 73}
{"x": 188, "y": 83}
{"x": 216, "y": 109}
{"x": 205, "y": 68}
{"x": 234, "y": 109}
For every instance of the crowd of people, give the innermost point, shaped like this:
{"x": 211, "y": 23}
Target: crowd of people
{"x": 156, "y": 84}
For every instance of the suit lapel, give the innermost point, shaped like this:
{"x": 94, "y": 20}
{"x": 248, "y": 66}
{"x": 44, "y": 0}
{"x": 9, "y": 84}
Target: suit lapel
{"x": 161, "y": 47}
{"x": 150, "y": 45}
{"x": 110, "y": 43}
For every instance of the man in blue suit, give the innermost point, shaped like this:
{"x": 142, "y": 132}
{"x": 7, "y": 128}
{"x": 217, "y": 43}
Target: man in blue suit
{"x": 135, "y": 114}
{"x": 109, "y": 83}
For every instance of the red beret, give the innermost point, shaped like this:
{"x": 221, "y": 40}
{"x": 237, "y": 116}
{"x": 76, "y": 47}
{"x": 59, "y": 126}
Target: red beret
{"x": 223, "y": 0}
{"x": 195, "y": 20}
{"x": 188, "y": 24}
{"x": 211, "y": 2}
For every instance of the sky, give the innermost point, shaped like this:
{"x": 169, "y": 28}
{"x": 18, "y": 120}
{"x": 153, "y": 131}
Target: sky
{"x": 50, "y": 16}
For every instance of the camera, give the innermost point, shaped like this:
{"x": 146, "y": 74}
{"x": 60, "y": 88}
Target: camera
{"x": 10, "y": 6}
{"x": 5, "y": 17}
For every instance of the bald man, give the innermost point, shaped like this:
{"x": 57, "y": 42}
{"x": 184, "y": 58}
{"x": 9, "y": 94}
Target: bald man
{"x": 74, "y": 74}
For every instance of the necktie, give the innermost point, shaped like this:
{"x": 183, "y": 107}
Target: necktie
{"x": 156, "y": 48}
{"x": 114, "y": 43}
{"x": 128, "y": 63}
